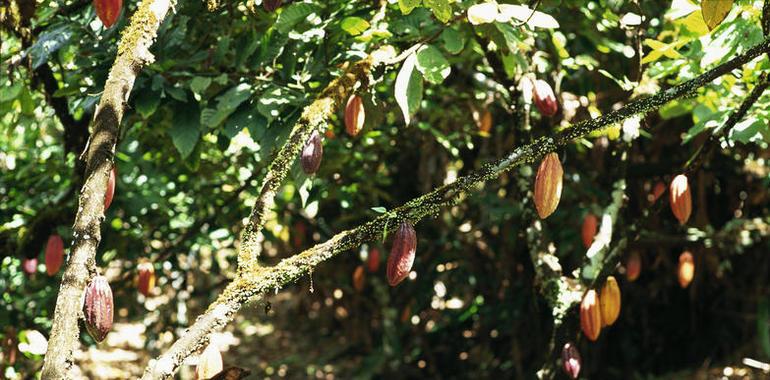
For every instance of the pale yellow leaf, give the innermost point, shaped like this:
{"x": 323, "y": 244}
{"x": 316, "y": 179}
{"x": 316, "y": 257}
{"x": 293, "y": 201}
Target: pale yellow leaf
{"x": 714, "y": 11}
{"x": 483, "y": 13}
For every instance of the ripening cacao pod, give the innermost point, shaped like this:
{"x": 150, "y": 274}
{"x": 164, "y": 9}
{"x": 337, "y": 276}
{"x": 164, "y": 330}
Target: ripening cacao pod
{"x": 108, "y": 11}
{"x": 354, "y": 115}
{"x": 610, "y": 301}
{"x": 298, "y": 234}
{"x": 54, "y": 254}
{"x": 680, "y": 199}
{"x": 548, "y": 185}
{"x": 271, "y": 5}
{"x": 570, "y": 358}
{"x": 686, "y": 269}
{"x": 373, "y": 260}
{"x": 359, "y": 276}
{"x": 209, "y": 363}
{"x": 590, "y": 224}
{"x": 406, "y": 314}
{"x": 402, "y": 254}
{"x": 29, "y": 265}
{"x": 485, "y": 123}
{"x": 657, "y": 191}
{"x": 146, "y": 281}
{"x": 544, "y": 98}
{"x": 591, "y": 315}
{"x": 110, "y": 189}
{"x": 633, "y": 266}
{"x": 312, "y": 153}
{"x": 98, "y": 308}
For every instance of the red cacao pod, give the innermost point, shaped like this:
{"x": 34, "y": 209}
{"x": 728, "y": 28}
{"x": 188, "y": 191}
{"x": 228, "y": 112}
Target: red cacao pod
{"x": 544, "y": 98}
{"x": 209, "y": 363}
{"x": 312, "y": 153}
{"x": 373, "y": 260}
{"x": 110, "y": 189}
{"x": 485, "y": 123}
{"x": 98, "y": 308}
{"x": 686, "y": 269}
{"x": 146, "y": 281}
{"x": 359, "y": 276}
{"x": 354, "y": 115}
{"x": 610, "y": 301}
{"x": 54, "y": 254}
{"x": 108, "y": 11}
{"x": 633, "y": 266}
{"x": 657, "y": 191}
{"x": 298, "y": 234}
{"x": 570, "y": 358}
{"x": 29, "y": 265}
{"x": 680, "y": 198}
{"x": 590, "y": 224}
{"x": 548, "y": 183}
{"x": 271, "y": 5}
{"x": 591, "y": 315}
{"x": 402, "y": 254}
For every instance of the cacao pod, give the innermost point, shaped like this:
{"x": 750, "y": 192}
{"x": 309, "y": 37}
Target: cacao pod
{"x": 298, "y": 234}
{"x": 591, "y": 315}
{"x": 312, "y": 153}
{"x": 610, "y": 301}
{"x": 110, "y": 189}
{"x": 209, "y": 363}
{"x": 54, "y": 254}
{"x": 545, "y": 100}
{"x": 590, "y": 224}
{"x": 359, "y": 275}
{"x": 354, "y": 115}
{"x": 633, "y": 266}
{"x": 657, "y": 191}
{"x": 29, "y": 265}
{"x": 373, "y": 260}
{"x": 680, "y": 199}
{"x": 548, "y": 184}
{"x": 406, "y": 314}
{"x": 402, "y": 254}
{"x": 98, "y": 308}
{"x": 146, "y": 282}
{"x": 108, "y": 11}
{"x": 686, "y": 269}
{"x": 570, "y": 358}
{"x": 271, "y": 5}
{"x": 485, "y": 124}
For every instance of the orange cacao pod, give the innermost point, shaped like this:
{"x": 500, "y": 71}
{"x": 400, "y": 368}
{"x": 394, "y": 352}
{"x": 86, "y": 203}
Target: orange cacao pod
{"x": 590, "y": 224}
{"x": 354, "y": 115}
{"x": 312, "y": 153}
{"x": 686, "y": 269}
{"x": 610, "y": 301}
{"x": 146, "y": 282}
{"x": 108, "y": 11}
{"x": 633, "y": 266}
{"x": 485, "y": 124}
{"x": 570, "y": 358}
{"x": 29, "y": 265}
{"x": 402, "y": 254}
{"x": 373, "y": 260}
{"x": 359, "y": 275}
{"x": 591, "y": 315}
{"x": 209, "y": 363}
{"x": 680, "y": 199}
{"x": 657, "y": 191}
{"x": 544, "y": 98}
{"x": 54, "y": 254}
{"x": 98, "y": 308}
{"x": 548, "y": 184}
{"x": 110, "y": 189}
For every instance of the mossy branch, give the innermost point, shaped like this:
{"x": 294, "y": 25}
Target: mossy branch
{"x": 133, "y": 54}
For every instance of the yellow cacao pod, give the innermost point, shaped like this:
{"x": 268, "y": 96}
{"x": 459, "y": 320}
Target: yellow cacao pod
{"x": 610, "y": 301}
{"x": 680, "y": 198}
{"x": 548, "y": 183}
{"x": 591, "y": 315}
{"x": 686, "y": 269}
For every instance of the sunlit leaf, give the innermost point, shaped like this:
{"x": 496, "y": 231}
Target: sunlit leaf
{"x": 714, "y": 11}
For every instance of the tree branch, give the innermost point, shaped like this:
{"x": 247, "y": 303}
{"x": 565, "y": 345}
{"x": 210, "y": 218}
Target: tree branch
{"x": 133, "y": 54}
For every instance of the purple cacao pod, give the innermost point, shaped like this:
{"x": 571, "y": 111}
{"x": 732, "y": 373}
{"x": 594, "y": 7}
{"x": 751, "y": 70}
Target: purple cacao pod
{"x": 544, "y": 98}
{"x": 98, "y": 308}
{"x": 312, "y": 153}
{"x": 570, "y": 358}
{"x": 271, "y": 5}
{"x": 402, "y": 254}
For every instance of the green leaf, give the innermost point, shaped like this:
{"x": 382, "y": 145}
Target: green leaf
{"x": 453, "y": 41}
{"x": 407, "y": 6}
{"x": 292, "y": 15}
{"x": 408, "y": 88}
{"x": 199, "y": 84}
{"x": 354, "y": 25}
{"x": 273, "y": 101}
{"x": 185, "y": 131}
{"x": 763, "y": 324}
{"x": 227, "y": 103}
{"x": 432, "y": 64}
{"x": 11, "y": 92}
{"x": 441, "y": 9}
{"x": 380, "y": 210}
{"x": 147, "y": 102}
